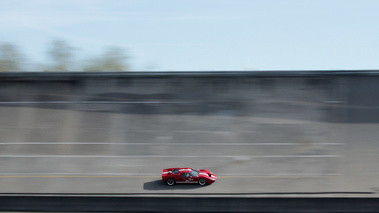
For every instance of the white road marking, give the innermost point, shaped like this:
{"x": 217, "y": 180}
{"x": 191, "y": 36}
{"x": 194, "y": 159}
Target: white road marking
{"x": 158, "y": 176}
{"x": 162, "y": 144}
{"x": 84, "y": 174}
{"x": 169, "y": 156}
{"x": 93, "y": 102}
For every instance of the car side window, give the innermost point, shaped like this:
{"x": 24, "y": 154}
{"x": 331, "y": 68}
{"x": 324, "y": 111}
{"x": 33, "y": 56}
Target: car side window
{"x": 185, "y": 175}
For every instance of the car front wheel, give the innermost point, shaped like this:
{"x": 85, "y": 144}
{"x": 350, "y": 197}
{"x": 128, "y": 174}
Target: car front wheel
{"x": 170, "y": 182}
{"x": 202, "y": 182}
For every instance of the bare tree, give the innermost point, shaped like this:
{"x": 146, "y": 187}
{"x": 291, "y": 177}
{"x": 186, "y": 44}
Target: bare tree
{"x": 10, "y": 58}
{"x": 113, "y": 59}
{"x": 61, "y": 59}
{"x": 61, "y": 55}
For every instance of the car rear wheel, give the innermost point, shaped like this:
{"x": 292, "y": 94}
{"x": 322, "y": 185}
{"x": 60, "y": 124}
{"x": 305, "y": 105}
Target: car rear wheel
{"x": 170, "y": 182}
{"x": 202, "y": 182}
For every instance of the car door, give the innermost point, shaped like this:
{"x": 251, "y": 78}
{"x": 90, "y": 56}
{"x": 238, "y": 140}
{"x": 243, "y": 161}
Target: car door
{"x": 194, "y": 178}
{"x": 185, "y": 177}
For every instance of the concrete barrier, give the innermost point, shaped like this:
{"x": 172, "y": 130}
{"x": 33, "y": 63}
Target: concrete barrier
{"x": 123, "y": 203}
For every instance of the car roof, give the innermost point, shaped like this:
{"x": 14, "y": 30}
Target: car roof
{"x": 180, "y": 168}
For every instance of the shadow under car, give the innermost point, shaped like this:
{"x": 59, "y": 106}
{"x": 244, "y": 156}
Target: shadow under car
{"x": 160, "y": 185}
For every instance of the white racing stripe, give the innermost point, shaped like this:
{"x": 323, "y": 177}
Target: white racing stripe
{"x": 186, "y": 181}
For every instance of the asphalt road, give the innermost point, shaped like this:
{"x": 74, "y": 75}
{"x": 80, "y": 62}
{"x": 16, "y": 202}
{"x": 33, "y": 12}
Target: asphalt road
{"x": 61, "y": 151}
{"x": 73, "y": 167}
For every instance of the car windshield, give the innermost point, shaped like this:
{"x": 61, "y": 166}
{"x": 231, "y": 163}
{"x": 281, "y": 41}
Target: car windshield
{"x": 194, "y": 173}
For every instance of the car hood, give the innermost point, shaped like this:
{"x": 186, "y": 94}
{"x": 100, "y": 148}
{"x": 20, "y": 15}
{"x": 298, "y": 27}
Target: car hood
{"x": 205, "y": 171}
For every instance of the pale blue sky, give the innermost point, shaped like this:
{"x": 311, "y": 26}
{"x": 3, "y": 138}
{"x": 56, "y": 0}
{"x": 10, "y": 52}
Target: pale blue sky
{"x": 196, "y": 35}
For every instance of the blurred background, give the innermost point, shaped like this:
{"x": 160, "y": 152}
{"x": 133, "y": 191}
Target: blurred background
{"x": 260, "y": 132}
{"x": 99, "y": 96}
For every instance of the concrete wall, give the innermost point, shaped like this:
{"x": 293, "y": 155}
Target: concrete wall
{"x": 302, "y": 124}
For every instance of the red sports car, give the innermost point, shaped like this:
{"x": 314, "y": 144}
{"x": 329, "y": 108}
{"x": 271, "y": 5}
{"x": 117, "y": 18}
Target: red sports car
{"x": 187, "y": 175}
